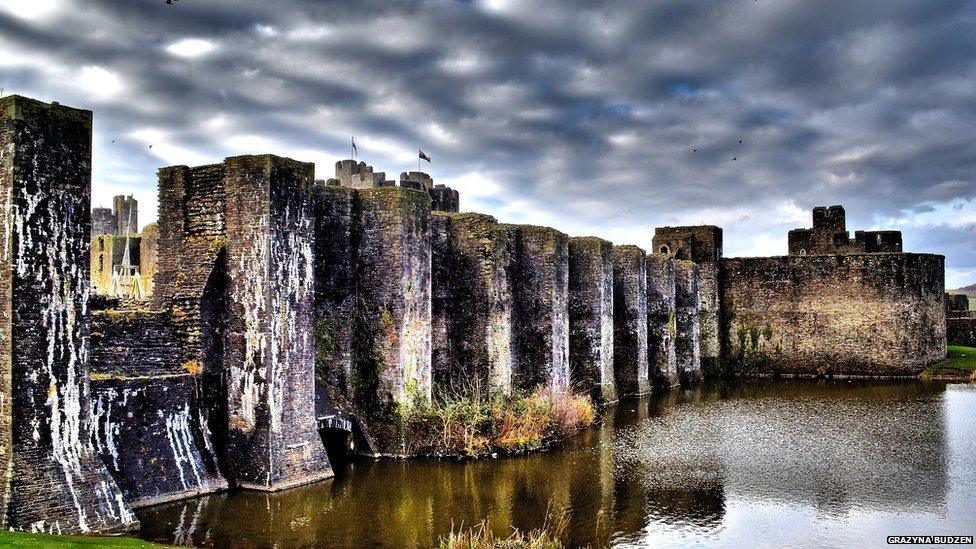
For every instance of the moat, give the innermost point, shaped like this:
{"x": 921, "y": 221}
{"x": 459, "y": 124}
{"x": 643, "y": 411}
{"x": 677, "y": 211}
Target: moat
{"x": 785, "y": 463}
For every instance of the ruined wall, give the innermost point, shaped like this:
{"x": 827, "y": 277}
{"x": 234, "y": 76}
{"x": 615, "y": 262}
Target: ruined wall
{"x": 52, "y": 479}
{"x": 190, "y": 281}
{"x": 272, "y": 439}
{"x": 143, "y": 424}
{"x": 148, "y": 256}
{"x": 703, "y": 245}
{"x": 126, "y": 212}
{"x": 103, "y": 221}
{"x": 591, "y": 302}
{"x": 539, "y": 278}
{"x": 687, "y": 325}
{"x": 961, "y": 331}
{"x": 336, "y": 230}
{"x": 444, "y": 199}
{"x": 630, "y": 321}
{"x": 872, "y": 314}
{"x": 661, "y": 321}
{"x": 392, "y": 336}
{"x": 472, "y": 306}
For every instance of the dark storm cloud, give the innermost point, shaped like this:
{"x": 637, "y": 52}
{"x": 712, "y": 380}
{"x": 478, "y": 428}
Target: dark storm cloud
{"x": 605, "y": 119}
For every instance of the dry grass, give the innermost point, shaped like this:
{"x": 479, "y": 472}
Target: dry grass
{"x": 549, "y": 536}
{"x": 469, "y": 426}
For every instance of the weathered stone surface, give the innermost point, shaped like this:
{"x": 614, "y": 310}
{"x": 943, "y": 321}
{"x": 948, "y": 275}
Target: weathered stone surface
{"x": 392, "y": 338}
{"x": 444, "y": 199}
{"x": 51, "y": 477}
{"x": 148, "y": 255}
{"x": 829, "y": 236}
{"x": 956, "y": 303}
{"x": 190, "y": 281}
{"x": 703, "y": 245}
{"x": 144, "y": 425}
{"x": 871, "y": 314}
{"x": 272, "y": 440}
{"x": 472, "y": 306}
{"x": 961, "y": 331}
{"x": 661, "y": 321}
{"x": 591, "y": 338}
{"x": 336, "y": 294}
{"x": 630, "y": 321}
{"x": 539, "y": 279}
{"x": 686, "y": 300}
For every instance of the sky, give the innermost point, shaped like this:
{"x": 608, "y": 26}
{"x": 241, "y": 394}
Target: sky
{"x": 603, "y": 119}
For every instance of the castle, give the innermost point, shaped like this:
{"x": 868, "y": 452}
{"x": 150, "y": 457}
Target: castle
{"x": 287, "y": 310}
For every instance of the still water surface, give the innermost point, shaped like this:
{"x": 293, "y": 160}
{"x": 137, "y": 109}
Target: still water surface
{"x": 737, "y": 464}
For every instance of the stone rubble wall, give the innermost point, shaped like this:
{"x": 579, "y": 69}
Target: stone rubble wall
{"x": 273, "y": 440}
{"x": 868, "y": 314}
{"x": 472, "y": 306}
{"x": 52, "y": 479}
{"x": 539, "y": 278}
{"x": 687, "y": 321}
{"x": 630, "y": 321}
{"x": 591, "y": 306}
{"x": 143, "y": 422}
{"x": 661, "y": 321}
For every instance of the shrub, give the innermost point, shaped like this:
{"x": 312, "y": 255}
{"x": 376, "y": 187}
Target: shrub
{"x": 472, "y": 426}
{"x": 549, "y": 536}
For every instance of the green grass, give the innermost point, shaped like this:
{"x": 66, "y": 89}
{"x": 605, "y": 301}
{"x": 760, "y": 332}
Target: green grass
{"x": 960, "y": 364}
{"x": 24, "y": 539}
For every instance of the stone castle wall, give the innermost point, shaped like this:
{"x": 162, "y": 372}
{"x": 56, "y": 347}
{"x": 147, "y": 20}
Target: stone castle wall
{"x": 269, "y": 355}
{"x": 591, "y": 320}
{"x": 630, "y": 320}
{"x": 539, "y": 278}
{"x": 52, "y": 479}
{"x": 144, "y": 425}
{"x": 869, "y": 314}
{"x": 661, "y": 321}
{"x": 281, "y": 303}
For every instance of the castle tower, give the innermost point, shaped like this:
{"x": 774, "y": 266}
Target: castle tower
{"x": 701, "y": 244}
{"x": 126, "y": 212}
{"x": 50, "y": 475}
{"x": 272, "y": 439}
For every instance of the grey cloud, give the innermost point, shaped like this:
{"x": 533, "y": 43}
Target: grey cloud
{"x": 869, "y": 104}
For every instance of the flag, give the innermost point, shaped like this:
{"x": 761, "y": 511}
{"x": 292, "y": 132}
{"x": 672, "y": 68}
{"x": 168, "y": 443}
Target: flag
{"x": 423, "y": 156}
{"x": 355, "y": 151}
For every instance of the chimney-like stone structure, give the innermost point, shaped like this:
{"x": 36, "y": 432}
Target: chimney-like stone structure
{"x": 630, "y": 320}
{"x": 591, "y": 338}
{"x": 687, "y": 344}
{"x": 661, "y": 321}
{"x": 539, "y": 276}
{"x": 273, "y": 440}
{"x": 52, "y": 479}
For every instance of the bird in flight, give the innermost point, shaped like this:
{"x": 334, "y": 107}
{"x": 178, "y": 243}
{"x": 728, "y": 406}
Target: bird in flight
{"x": 150, "y": 146}
{"x": 733, "y": 159}
{"x": 740, "y": 141}
{"x": 113, "y": 141}
{"x": 170, "y": 2}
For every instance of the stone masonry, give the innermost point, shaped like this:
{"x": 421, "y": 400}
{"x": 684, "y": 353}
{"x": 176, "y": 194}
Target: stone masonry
{"x": 392, "y": 343}
{"x": 539, "y": 276}
{"x": 661, "y": 321}
{"x": 53, "y": 481}
{"x": 703, "y": 245}
{"x": 630, "y": 320}
{"x": 472, "y": 306}
{"x": 687, "y": 349}
{"x": 591, "y": 336}
{"x": 272, "y": 439}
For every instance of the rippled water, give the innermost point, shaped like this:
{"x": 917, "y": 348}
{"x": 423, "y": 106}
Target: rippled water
{"x": 747, "y": 463}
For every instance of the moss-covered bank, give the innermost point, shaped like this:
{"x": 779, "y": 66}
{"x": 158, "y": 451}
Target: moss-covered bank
{"x": 960, "y": 365}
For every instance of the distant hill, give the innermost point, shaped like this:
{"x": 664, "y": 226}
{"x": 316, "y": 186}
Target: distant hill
{"x": 969, "y": 291}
